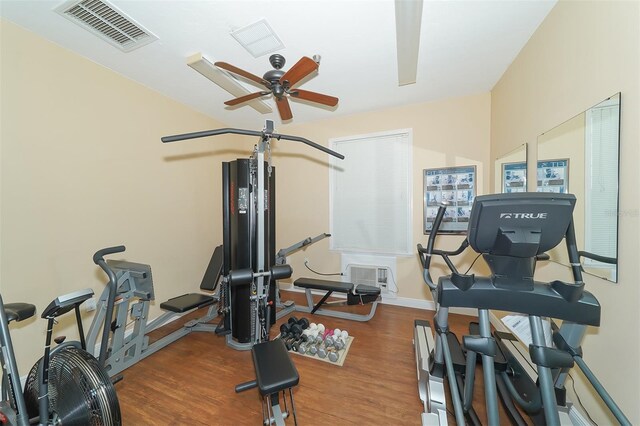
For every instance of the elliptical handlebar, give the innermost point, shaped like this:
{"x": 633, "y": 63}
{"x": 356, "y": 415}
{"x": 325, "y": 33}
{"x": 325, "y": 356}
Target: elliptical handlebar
{"x": 434, "y": 231}
{"x": 98, "y": 259}
{"x": 425, "y": 254}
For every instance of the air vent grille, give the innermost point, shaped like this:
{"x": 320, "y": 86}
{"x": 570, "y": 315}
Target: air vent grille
{"x": 107, "y": 22}
{"x": 258, "y": 38}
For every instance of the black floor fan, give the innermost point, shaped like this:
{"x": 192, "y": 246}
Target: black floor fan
{"x": 80, "y": 392}
{"x": 78, "y": 389}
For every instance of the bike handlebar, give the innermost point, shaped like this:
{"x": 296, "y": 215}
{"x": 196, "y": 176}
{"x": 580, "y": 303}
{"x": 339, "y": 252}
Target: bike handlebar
{"x": 98, "y": 259}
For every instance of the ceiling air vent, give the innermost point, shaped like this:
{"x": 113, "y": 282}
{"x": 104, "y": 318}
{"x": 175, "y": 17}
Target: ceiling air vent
{"x": 258, "y": 38}
{"x": 107, "y": 22}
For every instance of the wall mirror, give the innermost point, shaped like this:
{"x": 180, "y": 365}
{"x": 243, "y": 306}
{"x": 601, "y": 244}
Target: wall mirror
{"x": 580, "y": 156}
{"x": 511, "y": 171}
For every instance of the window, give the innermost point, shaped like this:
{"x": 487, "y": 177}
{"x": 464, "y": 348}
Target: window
{"x": 370, "y": 193}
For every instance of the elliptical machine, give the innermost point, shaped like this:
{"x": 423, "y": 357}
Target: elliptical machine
{"x": 510, "y": 231}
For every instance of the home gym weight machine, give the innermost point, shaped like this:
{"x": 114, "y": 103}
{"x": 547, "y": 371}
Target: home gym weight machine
{"x": 510, "y": 231}
{"x": 250, "y": 270}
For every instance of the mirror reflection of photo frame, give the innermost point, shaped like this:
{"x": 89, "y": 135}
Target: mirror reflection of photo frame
{"x": 553, "y": 176}
{"x": 457, "y": 186}
{"x": 510, "y": 170}
{"x": 514, "y": 177}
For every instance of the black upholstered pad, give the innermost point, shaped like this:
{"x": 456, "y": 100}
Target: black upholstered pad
{"x": 274, "y": 369}
{"x": 325, "y": 285}
{"x": 19, "y": 311}
{"x": 186, "y": 302}
{"x": 367, "y": 289}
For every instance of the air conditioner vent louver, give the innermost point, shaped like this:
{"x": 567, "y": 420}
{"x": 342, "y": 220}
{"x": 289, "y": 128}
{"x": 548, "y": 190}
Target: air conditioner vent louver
{"x": 107, "y": 22}
{"x": 374, "y": 276}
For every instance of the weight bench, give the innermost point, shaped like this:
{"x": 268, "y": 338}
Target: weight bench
{"x": 275, "y": 373}
{"x": 356, "y": 295}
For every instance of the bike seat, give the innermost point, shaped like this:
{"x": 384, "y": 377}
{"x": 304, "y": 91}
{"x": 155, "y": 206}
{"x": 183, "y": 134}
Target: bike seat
{"x": 19, "y": 311}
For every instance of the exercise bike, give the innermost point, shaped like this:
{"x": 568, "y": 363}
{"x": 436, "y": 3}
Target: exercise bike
{"x": 67, "y": 386}
{"x": 511, "y": 231}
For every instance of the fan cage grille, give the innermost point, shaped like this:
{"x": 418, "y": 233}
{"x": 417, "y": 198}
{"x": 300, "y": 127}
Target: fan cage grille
{"x": 80, "y": 391}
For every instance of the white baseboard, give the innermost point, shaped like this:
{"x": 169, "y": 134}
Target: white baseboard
{"x": 408, "y": 302}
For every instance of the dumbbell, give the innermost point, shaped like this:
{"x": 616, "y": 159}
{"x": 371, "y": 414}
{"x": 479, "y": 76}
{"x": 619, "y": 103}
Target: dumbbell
{"x": 340, "y": 340}
{"x": 305, "y": 347}
{"x": 313, "y": 347}
{"x": 303, "y": 322}
{"x": 293, "y": 342}
{"x": 332, "y": 354}
{"x": 333, "y": 337}
{"x": 286, "y": 332}
{"x": 296, "y": 325}
{"x": 311, "y": 332}
{"x": 322, "y": 350}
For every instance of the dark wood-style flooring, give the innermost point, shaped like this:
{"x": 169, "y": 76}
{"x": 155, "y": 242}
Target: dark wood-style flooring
{"x": 191, "y": 382}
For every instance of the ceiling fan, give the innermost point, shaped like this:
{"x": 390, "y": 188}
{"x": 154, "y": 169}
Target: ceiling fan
{"x": 281, "y": 84}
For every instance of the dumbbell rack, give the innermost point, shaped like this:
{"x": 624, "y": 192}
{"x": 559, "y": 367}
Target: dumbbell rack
{"x": 293, "y": 331}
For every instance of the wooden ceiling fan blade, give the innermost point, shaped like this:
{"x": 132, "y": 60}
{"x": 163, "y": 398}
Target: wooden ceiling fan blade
{"x": 242, "y": 73}
{"x": 314, "y": 97}
{"x": 284, "y": 109}
{"x": 300, "y": 70}
{"x": 246, "y": 98}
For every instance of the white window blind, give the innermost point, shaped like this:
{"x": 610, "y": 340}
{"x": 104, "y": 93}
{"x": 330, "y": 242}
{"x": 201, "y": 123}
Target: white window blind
{"x": 371, "y": 193}
{"x": 601, "y": 180}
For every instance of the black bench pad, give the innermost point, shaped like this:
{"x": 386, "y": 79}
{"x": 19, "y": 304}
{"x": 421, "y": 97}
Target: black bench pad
{"x": 187, "y": 302}
{"x": 367, "y": 290}
{"x": 274, "y": 369}
{"x": 325, "y": 285}
{"x": 19, "y": 311}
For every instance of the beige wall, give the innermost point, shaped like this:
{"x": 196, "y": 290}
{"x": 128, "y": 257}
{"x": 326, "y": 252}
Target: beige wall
{"x": 583, "y": 53}
{"x": 83, "y": 168}
{"x": 445, "y": 133}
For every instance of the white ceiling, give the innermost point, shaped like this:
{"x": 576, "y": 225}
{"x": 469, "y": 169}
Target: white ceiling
{"x": 465, "y": 48}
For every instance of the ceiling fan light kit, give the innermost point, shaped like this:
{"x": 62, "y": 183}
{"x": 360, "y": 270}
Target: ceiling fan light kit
{"x": 281, "y": 84}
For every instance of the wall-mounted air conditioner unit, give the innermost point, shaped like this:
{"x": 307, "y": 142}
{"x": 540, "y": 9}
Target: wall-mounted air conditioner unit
{"x": 375, "y": 276}
{"x": 371, "y": 269}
